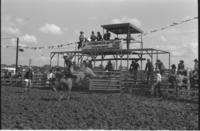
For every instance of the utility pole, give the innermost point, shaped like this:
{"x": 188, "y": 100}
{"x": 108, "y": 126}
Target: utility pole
{"x": 17, "y": 49}
{"x": 29, "y": 63}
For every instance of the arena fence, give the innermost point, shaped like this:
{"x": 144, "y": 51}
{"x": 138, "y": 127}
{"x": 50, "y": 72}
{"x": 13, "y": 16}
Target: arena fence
{"x": 39, "y": 80}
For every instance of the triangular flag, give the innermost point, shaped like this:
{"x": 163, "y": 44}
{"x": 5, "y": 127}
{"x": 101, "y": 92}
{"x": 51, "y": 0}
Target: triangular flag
{"x": 22, "y": 50}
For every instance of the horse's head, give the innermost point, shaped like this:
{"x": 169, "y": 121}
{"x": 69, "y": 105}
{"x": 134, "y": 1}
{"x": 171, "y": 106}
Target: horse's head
{"x": 89, "y": 72}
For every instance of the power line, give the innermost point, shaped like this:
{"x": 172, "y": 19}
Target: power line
{"x": 5, "y": 38}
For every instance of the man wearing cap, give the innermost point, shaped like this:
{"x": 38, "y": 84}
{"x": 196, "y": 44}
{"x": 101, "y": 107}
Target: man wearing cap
{"x": 81, "y": 39}
{"x": 99, "y": 36}
{"x": 173, "y": 69}
{"x": 196, "y": 65}
{"x": 181, "y": 67}
{"x": 195, "y": 73}
{"x": 134, "y": 69}
{"x": 172, "y": 77}
{"x": 107, "y": 35}
{"x": 160, "y": 66}
{"x": 93, "y": 37}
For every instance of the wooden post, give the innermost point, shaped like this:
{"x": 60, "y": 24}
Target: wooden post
{"x": 141, "y": 46}
{"x": 169, "y": 63}
{"x": 58, "y": 60}
{"x": 50, "y": 59}
{"x": 116, "y": 62}
{"x": 151, "y": 56}
{"x": 29, "y": 63}
{"x": 188, "y": 79}
{"x": 17, "y": 49}
{"x": 101, "y": 59}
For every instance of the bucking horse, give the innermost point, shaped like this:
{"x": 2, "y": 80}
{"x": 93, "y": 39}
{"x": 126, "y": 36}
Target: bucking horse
{"x": 69, "y": 76}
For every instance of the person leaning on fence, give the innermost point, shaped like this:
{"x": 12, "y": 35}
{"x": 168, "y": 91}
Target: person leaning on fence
{"x": 93, "y": 37}
{"x": 28, "y": 79}
{"x": 109, "y": 67}
{"x": 160, "y": 66}
{"x": 195, "y": 72}
{"x": 81, "y": 39}
{"x": 51, "y": 78}
{"x": 196, "y": 65}
{"x": 181, "y": 68}
{"x": 149, "y": 70}
{"x": 134, "y": 69}
{"x": 172, "y": 77}
{"x": 99, "y": 36}
{"x": 107, "y": 35}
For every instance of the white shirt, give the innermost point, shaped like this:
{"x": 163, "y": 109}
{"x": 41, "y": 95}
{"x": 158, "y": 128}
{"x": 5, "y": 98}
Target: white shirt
{"x": 50, "y": 76}
{"x": 158, "y": 77}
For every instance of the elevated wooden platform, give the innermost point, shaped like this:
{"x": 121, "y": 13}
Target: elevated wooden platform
{"x": 143, "y": 51}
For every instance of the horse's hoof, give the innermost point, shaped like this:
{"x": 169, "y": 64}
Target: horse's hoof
{"x": 54, "y": 90}
{"x": 59, "y": 99}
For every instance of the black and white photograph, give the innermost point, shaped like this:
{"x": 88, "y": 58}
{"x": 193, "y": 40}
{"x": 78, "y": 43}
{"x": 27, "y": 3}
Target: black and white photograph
{"x": 99, "y": 65}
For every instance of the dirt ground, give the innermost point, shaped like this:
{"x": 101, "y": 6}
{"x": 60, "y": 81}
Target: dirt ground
{"x": 39, "y": 109}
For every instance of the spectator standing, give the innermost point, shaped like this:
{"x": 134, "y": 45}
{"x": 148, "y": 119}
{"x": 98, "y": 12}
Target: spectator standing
{"x": 149, "y": 69}
{"x": 99, "y": 36}
{"x": 9, "y": 74}
{"x": 157, "y": 84}
{"x": 181, "y": 67}
{"x": 51, "y": 78}
{"x": 107, "y": 35}
{"x": 93, "y": 37}
{"x": 28, "y": 79}
{"x": 109, "y": 66}
{"x": 134, "y": 69}
{"x": 160, "y": 66}
{"x": 81, "y": 39}
{"x": 196, "y": 65}
{"x": 173, "y": 69}
{"x": 172, "y": 77}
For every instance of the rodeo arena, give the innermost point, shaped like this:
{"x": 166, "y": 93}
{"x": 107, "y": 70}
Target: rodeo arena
{"x": 104, "y": 84}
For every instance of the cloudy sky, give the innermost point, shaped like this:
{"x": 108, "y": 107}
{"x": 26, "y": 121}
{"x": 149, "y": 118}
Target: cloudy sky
{"x": 51, "y": 22}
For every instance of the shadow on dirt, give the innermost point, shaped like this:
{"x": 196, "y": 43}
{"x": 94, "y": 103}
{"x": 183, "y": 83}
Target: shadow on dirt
{"x": 182, "y": 100}
{"x": 49, "y": 99}
{"x": 64, "y": 99}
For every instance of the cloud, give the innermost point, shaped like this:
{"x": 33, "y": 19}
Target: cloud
{"x": 28, "y": 38}
{"x": 186, "y": 17}
{"x": 10, "y": 30}
{"x": 92, "y": 18}
{"x": 180, "y": 49}
{"x": 20, "y": 21}
{"x": 134, "y": 21}
{"x": 51, "y": 29}
{"x": 7, "y": 21}
{"x": 163, "y": 38}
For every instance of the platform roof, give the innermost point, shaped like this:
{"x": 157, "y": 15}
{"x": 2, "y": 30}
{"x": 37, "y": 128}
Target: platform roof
{"x": 122, "y": 28}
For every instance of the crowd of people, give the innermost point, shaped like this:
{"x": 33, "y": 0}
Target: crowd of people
{"x": 93, "y": 37}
